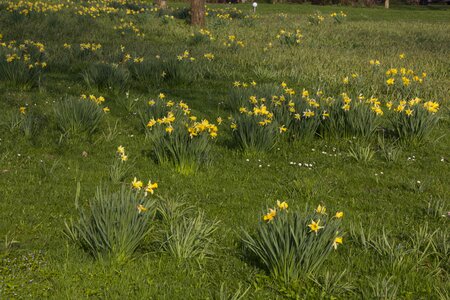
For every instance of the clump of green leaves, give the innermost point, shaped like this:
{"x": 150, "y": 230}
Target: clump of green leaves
{"x": 361, "y": 153}
{"x": 190, "y": 238}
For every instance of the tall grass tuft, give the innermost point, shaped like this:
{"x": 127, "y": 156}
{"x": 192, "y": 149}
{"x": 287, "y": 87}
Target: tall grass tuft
{"x": 106, "y": 76}
{"x": 190, "y": 237}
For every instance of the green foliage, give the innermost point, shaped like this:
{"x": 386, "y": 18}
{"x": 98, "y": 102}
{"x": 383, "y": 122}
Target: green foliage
{"x": 390, "y": 151}
{"x": 29, "y": 123}
{"x": 361, "y": 153}
{"x": 76, "y": 116}
{"x": 119, "y": 169}
{"x": 190, "y": 238}
{"x": 111, "y": 226}
{"x": 287, "y": 248}
{"x": 106, "y": 76}
{"x": 225, "y": 294}
{"x": 436, "y": 207}
{"x": 332, "y": 283}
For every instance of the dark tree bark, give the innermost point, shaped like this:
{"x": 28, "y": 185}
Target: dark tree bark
{"x": 198, "y": 12}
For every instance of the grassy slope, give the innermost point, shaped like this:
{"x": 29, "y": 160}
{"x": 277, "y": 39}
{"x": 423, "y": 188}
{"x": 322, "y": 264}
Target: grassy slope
{"x": 33, "y": 205}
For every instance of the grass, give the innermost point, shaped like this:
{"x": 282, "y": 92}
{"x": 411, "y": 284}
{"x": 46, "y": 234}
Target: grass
{"x": 390, "y": 198}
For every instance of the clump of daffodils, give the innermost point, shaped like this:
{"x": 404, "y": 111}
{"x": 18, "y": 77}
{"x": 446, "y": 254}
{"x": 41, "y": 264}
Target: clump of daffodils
{"x": 185, "y": 56}
{"x": 149, "y": 188}
{"x": 403, "y": 77}
{"x": 93, "y": 47}
{"x": 202, "y": 35}
{"x": 99, "y": 100}
{"x": 289, "y": 38}
{"x": 178, "y": 115}
{"x": 128, "y": 27}
{"x": 233, "y": 43}
{"x": 338, "y": 17}
{"x": 28, "y": 55}
{"x": 178, "y": 137}
{"x": 292, "y": 244}
{"x": 121, "y": 153}
{"x": 316, "y": 19}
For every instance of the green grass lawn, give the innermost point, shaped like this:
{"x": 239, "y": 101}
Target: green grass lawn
{"x": 395, "y": 226}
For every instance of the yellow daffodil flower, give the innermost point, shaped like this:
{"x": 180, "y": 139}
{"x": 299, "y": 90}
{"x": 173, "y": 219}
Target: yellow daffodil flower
{"x": 339, "y": 214}
{"x": 337, "y": 240}
{"x": 314, "y": 226}
{"x": 321, "y": 209}
{"x": 282, "y": 205}
{"x": 137, "y": 184}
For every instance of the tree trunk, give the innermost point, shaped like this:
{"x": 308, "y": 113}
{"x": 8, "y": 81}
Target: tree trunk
{"x": 386, "y": 3}
{"x": 198, "y": 12}
{"x": 160, "y": 3}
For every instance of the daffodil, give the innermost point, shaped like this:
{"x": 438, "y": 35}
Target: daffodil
{"x": 321, "y": 209}
{"x": 137, "y": 184}
{"x": 121, "y": 149}
{"x": 337, "y": 240}
{"x": 22, "y": 110}
{"x": 339, "y": 214}
{"x": 151, "y": 187}
{"x": 282, "y": 205}
{"x": 141, "y": 208}
{"x": 270, "y": 215}
{"x": 151, "y": 123}
{"x": 314, "y": 226}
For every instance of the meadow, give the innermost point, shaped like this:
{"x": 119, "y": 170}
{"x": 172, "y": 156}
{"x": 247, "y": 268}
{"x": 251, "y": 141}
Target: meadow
{"x": 299, "y": 152}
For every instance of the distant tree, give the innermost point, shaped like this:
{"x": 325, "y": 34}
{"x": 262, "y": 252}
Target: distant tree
{"x": 198, "y": 12}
